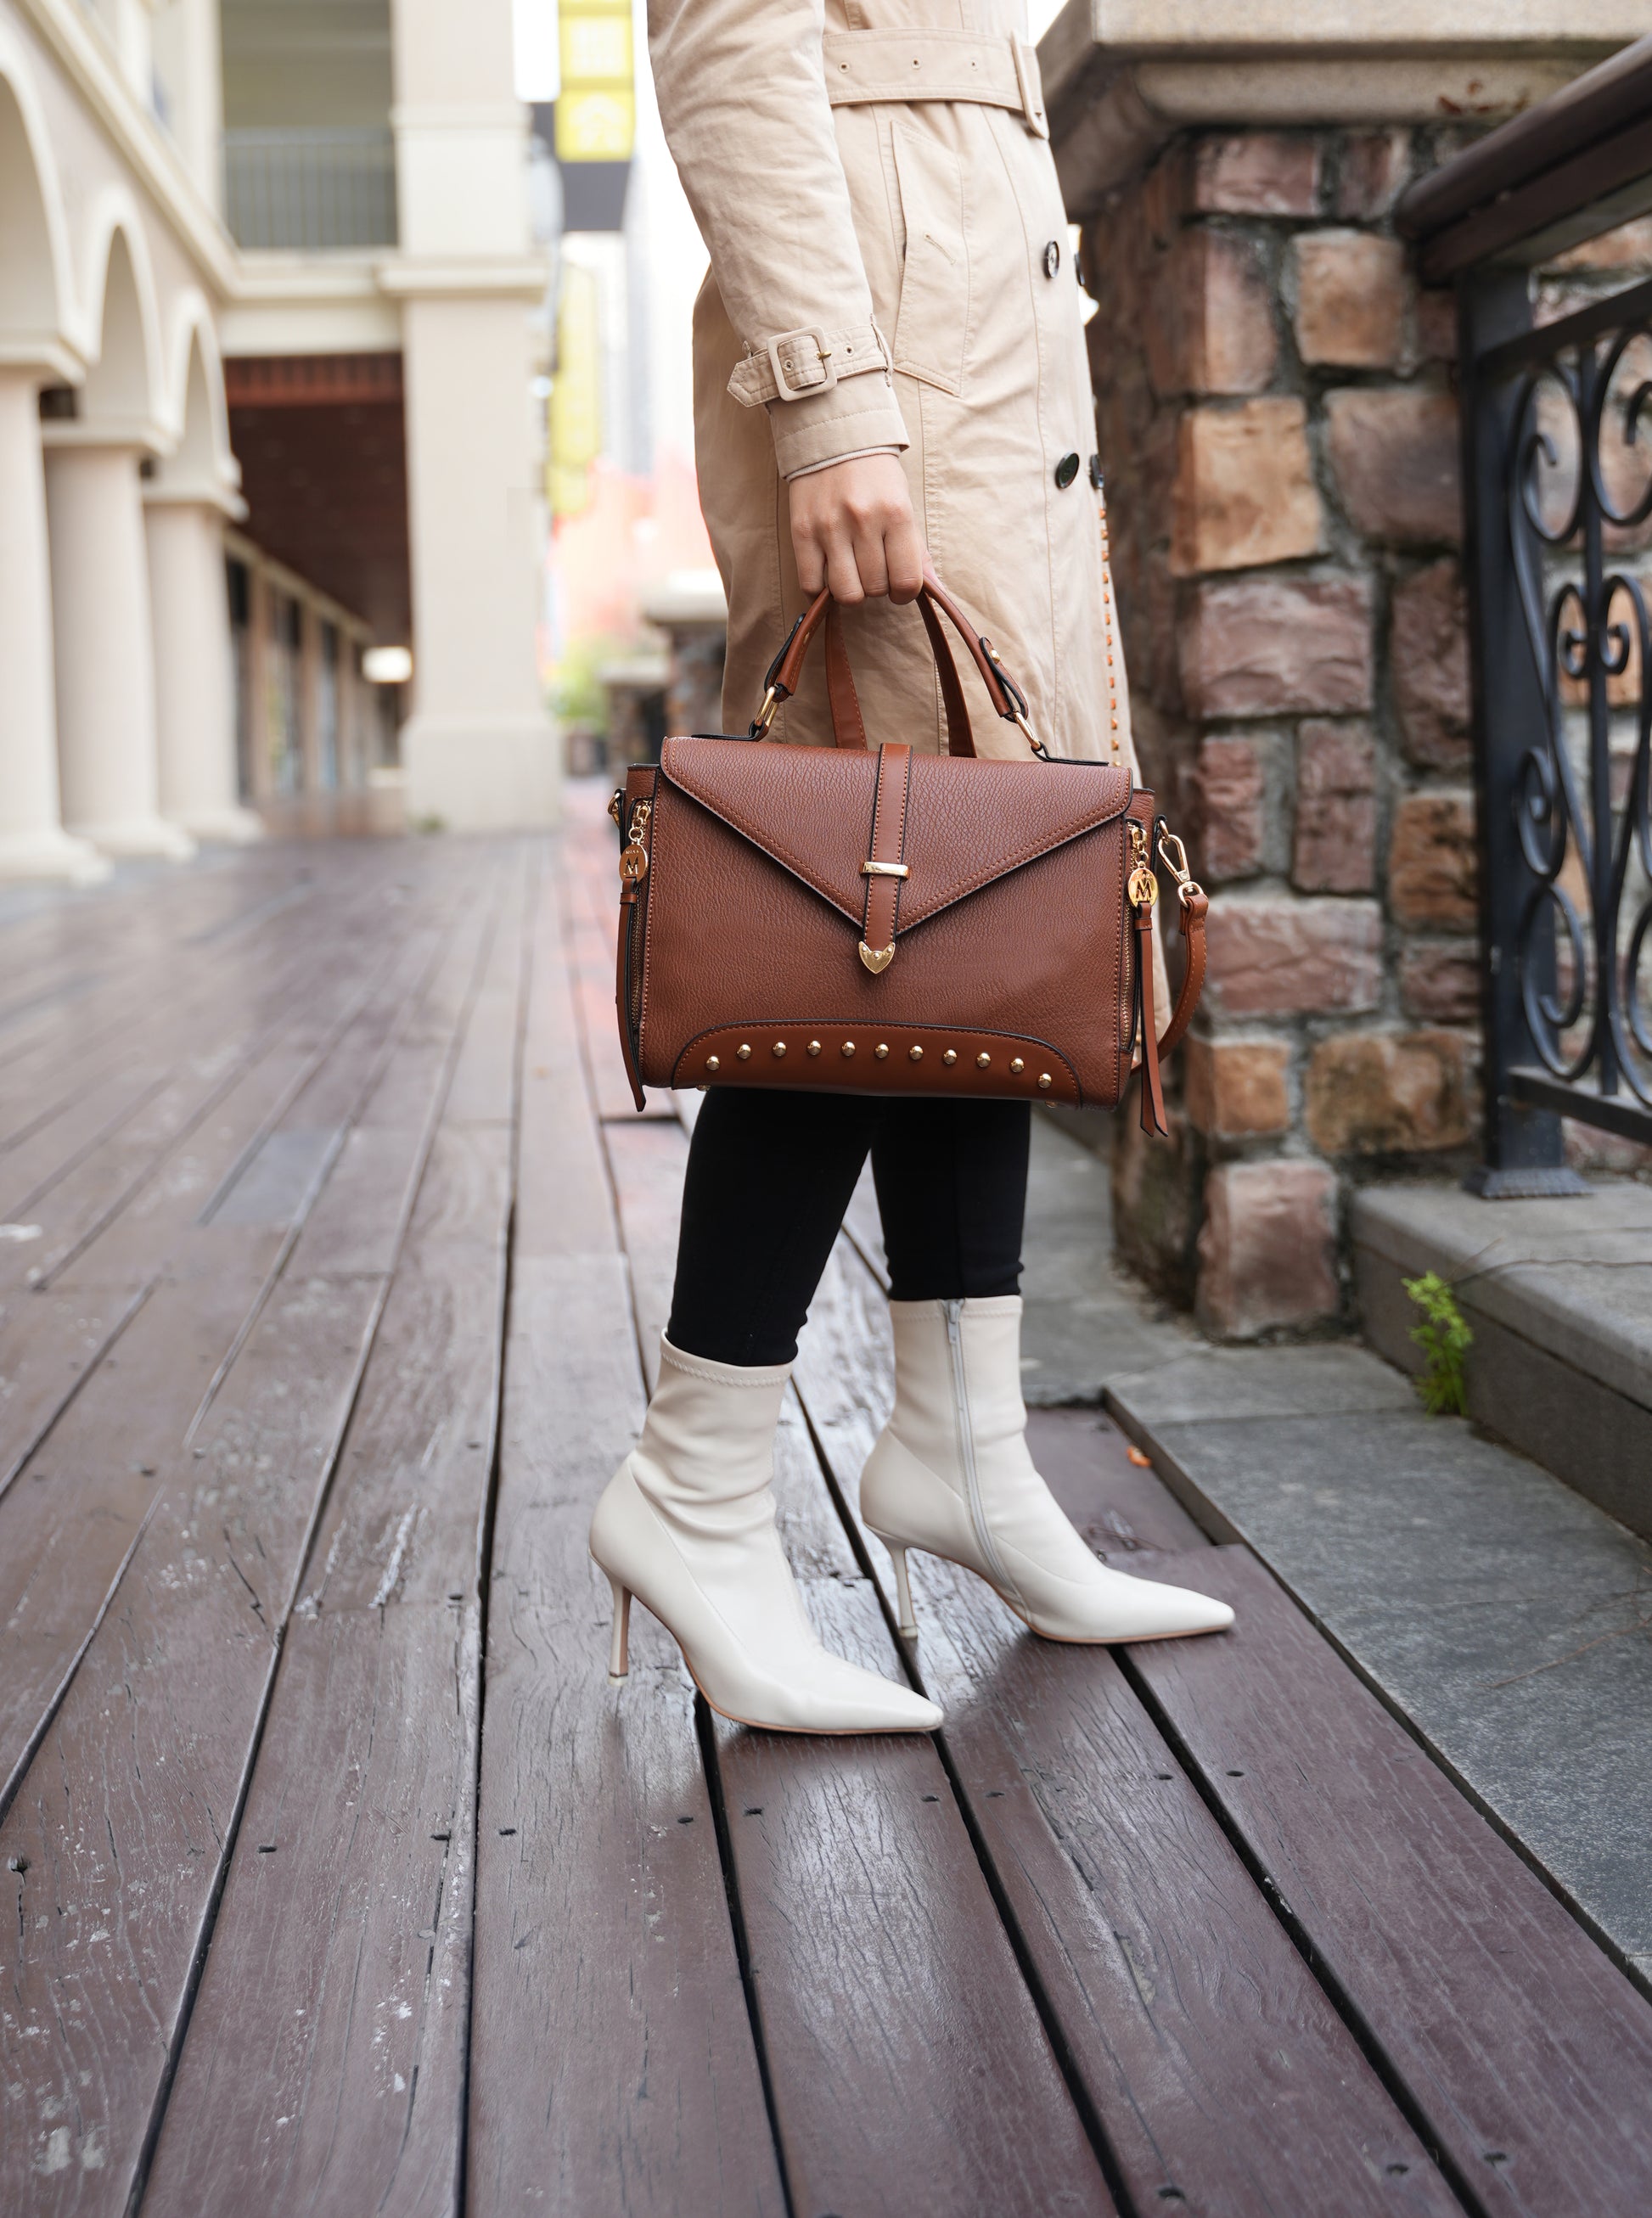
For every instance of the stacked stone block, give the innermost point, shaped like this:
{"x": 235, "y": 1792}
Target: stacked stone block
{"x": 1276, "y": 420}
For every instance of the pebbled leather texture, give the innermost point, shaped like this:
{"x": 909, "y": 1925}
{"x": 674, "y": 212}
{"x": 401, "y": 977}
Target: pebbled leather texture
{"x": 967, "y": 822}
{"x": 1012, "y": 924}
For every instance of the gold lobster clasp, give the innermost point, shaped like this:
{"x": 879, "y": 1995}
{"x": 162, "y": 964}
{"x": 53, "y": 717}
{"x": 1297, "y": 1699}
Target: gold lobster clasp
{"x": 1174, "y": 856}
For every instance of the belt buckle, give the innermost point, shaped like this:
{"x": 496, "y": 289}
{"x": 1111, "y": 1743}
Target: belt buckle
{"x": 784, "y": 389}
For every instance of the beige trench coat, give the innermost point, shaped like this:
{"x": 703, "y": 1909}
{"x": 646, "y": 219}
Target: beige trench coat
{"x": 873, "y": 178}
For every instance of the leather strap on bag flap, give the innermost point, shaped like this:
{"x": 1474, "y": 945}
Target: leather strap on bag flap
{"x": 884, "y": 869}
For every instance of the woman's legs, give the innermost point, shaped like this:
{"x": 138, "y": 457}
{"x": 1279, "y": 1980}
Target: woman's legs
{"x": 952, "y": 1191}
{"x": 770, "y": 1175}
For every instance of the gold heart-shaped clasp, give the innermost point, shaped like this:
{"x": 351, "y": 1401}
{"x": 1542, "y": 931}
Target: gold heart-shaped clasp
{"x": 877, "y": 959}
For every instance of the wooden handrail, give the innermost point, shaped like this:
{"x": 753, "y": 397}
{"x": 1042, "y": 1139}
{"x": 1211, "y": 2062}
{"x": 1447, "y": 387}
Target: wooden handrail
{"x": 1574, "y": 165}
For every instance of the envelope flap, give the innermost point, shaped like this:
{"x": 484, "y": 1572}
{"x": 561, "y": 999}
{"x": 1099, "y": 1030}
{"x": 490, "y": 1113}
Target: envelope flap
{"x": 967, "y": 822}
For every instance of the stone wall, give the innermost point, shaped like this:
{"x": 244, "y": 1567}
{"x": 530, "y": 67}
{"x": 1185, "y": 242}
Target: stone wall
{"x": 1279, "y": 428}
{"x": 1281, "y": 479}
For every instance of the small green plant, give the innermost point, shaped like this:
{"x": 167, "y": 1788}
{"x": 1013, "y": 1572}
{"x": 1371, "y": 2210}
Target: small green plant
{"x": 1445, "y": 1338}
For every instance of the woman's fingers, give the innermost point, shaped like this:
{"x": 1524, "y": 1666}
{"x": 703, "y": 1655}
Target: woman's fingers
{"x": 843, "y": 571}
{"x": 852, "y": 529}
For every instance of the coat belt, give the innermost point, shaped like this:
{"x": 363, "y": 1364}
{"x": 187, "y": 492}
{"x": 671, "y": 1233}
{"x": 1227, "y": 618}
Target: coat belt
{"x": 904, "y": 66}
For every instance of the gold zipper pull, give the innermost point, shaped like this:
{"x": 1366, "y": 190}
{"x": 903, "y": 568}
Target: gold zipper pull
{"x": 1143, "y": 885}
{"x": 634, "y": 861}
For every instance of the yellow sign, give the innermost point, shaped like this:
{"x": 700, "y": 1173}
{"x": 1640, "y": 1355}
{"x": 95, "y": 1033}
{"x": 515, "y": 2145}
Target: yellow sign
{"x": 575, "y": 425}
{"x": 596, "y": 108}
{"x": 594, "y": 126}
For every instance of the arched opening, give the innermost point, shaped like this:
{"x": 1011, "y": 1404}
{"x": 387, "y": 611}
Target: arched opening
{"x": 120, "y": 387}
{"x": 30, "y": 303}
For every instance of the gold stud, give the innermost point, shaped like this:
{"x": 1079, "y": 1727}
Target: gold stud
{"x": 779, "y": 1048}
{"x": 814, "y": 1047}
{"x": 713, "y": 1063}
{"x": 1045, "y": 1080}
{"x": 984, "y": 1061}
{"x": 950, "y": 1057}
{"x": 743, "y": 1052}
{"x": 1016, "y": 1068}
{"x": 881, "y": 1051}
{"x": 916, "y": 1053}
{"x": 847, "y": 1048}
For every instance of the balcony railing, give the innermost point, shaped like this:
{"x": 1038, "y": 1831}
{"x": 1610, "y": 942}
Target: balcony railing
{"x": 1558, "y": 484}
{"x": 310, "y": 190}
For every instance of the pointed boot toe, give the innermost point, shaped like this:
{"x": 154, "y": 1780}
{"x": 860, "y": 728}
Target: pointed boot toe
{"x": 1116, "y": 1608}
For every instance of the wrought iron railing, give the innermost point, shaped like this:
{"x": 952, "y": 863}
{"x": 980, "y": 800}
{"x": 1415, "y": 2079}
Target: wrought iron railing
{"x": 310, "y": 190}
{"x": 1557, "y": 477}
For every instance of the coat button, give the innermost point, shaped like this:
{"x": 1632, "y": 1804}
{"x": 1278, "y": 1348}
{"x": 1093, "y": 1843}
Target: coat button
{"x": 1067, "y": 470}
{"x": 1095, "y": 472}
{"x": 1052, "y": 258}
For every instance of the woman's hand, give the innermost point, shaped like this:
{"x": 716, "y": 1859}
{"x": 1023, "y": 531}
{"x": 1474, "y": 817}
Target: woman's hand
{"x": 853, "y": 529}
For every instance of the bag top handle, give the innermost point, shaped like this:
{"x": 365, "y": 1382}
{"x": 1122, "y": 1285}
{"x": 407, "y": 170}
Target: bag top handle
{"x": 780, "y": 681}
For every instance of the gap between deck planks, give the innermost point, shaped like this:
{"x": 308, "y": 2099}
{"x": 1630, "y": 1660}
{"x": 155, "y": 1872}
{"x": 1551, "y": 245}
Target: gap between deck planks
{"x": 177, "y": 1675}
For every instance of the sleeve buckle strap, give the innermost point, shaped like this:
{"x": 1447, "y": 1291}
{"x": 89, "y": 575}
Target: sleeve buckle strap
{"x": 796, "y": 374}
{"x": 796, "y": 365}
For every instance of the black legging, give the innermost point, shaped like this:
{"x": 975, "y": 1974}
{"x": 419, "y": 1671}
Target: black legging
{"x": 770, "y": 1175}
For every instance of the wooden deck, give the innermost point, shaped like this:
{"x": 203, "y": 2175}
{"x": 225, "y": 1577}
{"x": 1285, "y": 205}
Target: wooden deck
{"x": 340, "y": 1881}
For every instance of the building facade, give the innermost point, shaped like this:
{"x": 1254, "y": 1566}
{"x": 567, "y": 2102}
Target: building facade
{"x": 303, "y": 233}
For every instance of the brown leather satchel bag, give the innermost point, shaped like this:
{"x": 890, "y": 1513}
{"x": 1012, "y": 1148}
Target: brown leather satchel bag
{"x": 889, "y": 921}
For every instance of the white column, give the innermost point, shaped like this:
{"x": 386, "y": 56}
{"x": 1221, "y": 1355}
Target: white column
{"x": 479, "y": 751}
{"x": 32, "y": 843}
{"x": 105, "y": 651}
{"x": 194, "y": 690}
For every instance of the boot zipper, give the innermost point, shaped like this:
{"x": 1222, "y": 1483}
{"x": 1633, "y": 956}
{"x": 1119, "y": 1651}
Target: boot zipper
{"x": 966, "y": 1446}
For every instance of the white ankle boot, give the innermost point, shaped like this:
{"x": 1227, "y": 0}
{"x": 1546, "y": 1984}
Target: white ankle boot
{"x": 686, "y": 1524}
{"x": 951, "y": 1473}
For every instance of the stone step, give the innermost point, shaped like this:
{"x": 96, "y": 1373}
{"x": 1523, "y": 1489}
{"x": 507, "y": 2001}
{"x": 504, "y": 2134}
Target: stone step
{"x": 1558, "y": 1294}
{"x": 1500, "y": 1616}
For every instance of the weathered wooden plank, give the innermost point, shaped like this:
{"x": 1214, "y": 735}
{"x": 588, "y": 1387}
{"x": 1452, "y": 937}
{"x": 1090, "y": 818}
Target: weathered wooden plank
{"x": 53, "y": 1100}
{"x": 1524, "y": 2049}
{"x": 124, "y": 1435}
{"x": 122, "y": 1256}
{"x": 323, "y": 2066}
{"x": 1221, "y": 2075}
{"x": 154, "y": 1735}
{"x": 1120, "y": 1507}
{"x": 379, "y": 1673}
{"x": 612, "y": 2063}
{"x": 907, "y": 2064}
{"x": 564, "y": 1204}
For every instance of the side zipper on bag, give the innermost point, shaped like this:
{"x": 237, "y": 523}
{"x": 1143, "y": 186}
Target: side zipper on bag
{"x": 966, "y": 1447}
{"x": 633, "y": 895}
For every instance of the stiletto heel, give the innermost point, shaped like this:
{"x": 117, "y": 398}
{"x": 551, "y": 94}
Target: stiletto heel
{"x": 909, "y": 1624}
{"x": 687, "y": 1525}
{"x": 619, "y": 1638}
